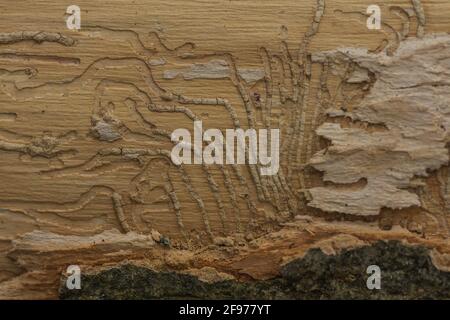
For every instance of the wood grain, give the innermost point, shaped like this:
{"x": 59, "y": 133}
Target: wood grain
{"x": 86, "y": 117}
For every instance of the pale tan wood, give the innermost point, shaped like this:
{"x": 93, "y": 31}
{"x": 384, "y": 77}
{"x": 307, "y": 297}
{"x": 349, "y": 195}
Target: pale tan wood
{"x": 84, "y": 119}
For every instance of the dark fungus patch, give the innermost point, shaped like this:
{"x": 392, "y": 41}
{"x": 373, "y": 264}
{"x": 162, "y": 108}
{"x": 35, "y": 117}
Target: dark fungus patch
{"x": 406, "y": 273}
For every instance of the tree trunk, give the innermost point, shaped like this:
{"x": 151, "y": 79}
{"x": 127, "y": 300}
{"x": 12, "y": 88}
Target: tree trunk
{"x": 88, "y": 178}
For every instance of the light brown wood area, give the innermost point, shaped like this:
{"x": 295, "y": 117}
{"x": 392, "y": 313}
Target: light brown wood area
{"x": 86, "y": 118}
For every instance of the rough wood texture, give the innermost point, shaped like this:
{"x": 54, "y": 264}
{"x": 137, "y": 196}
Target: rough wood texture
{"x": 86, "y": 117}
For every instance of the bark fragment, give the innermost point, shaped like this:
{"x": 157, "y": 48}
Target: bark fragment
{"x": 411, "y": 99}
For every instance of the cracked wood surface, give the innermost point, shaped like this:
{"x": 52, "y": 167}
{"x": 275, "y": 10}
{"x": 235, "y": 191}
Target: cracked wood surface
{"x": 86, "y": 117}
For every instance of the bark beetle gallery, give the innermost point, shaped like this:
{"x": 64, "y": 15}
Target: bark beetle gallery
{"x": 358, "y": 90}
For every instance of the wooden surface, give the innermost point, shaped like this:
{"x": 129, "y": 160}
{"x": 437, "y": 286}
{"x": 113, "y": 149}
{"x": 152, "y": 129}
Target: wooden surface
{"x": 85, "y": 119}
